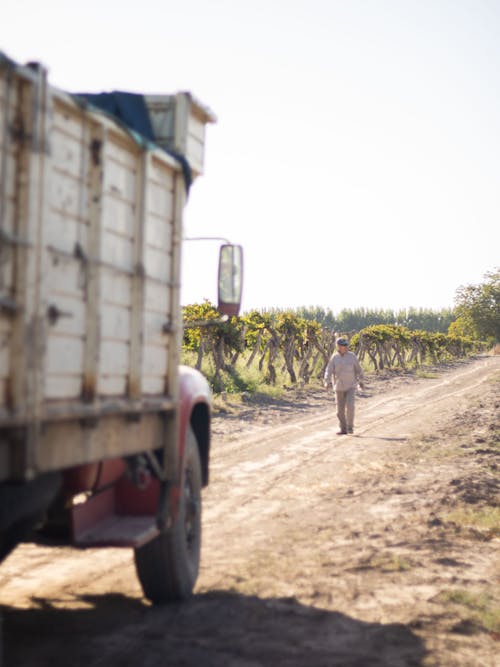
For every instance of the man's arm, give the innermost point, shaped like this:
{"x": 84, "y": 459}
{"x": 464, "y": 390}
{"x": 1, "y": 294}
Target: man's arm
{"x": 329, "y": 370}
{"x": 360, "y": 376}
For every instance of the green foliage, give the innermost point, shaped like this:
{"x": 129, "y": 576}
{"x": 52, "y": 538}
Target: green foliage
{"x": 194, "y": 315}
{"x": 478, "y": 307}
{"x": 462, "y": 326}
{"x": 257, "y": 324}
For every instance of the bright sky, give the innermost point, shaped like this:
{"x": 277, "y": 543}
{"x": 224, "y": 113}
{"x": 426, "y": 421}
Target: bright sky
{"x": 356, "y": 155}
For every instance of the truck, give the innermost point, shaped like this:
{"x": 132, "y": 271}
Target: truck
{"x": 104, "y": 434}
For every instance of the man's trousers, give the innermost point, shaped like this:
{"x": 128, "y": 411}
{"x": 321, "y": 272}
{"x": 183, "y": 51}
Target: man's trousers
{"x": 345, "y": 409}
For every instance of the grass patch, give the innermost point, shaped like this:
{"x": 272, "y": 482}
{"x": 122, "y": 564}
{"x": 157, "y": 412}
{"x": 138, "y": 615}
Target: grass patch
{"x": 239, "y": 380}
{"x": 430, "y": 448}
{"x": 483, "y": 522}
{"x": 484, "y": 608}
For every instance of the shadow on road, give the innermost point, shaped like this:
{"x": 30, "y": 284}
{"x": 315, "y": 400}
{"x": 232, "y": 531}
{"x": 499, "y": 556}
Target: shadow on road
{"x": 216, "y": 629}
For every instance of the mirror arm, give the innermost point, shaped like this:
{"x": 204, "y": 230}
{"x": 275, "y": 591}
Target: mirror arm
{"x": 206, "y": 238}
{"x": 206, "y": 323}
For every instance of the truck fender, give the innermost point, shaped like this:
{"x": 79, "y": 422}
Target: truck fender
{"x": 195, "y": 401}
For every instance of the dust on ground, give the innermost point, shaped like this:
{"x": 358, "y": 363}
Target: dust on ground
{"x": 380, "y": 548}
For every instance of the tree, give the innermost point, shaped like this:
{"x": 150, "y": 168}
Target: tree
{"x": 463, "y": 326}
{"x": 479, "y": 306}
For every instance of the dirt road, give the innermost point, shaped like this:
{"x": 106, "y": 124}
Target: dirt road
{"x": 376, "y": 549}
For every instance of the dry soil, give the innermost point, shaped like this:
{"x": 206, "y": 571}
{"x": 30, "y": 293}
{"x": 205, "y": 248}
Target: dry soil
{"x": 380, "y": 548}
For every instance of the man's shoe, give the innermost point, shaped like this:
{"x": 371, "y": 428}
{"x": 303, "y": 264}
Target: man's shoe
{"x": 350, "y": 430}
{"x": 341, "y": 432}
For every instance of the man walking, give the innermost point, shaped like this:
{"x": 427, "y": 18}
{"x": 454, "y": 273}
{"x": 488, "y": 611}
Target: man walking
{"x": 345, "y": 372}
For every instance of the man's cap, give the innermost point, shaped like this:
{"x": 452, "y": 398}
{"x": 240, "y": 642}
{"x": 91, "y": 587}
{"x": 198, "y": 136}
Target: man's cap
{"x": 342, "y": 341}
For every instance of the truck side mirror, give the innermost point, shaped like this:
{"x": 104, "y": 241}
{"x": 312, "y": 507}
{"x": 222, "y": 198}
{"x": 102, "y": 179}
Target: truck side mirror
{"x": 230, "y": 281}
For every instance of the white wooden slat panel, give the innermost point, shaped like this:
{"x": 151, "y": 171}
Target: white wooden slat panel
{"x": 112, "y": 385}
{"x": 65, "y": 292}
{"x": 155, "y": 361}
{"x": 162, "y": 172}
{"x": 118, "y": 215}
{"x": 195, "y": 143}
{"x": 152, "y": 386}
{"x": 117, "y": 248}
{"x": 63, "y": 386}
{"x": 116, "y": 287}
{"x": 157, "y": 298}
{"x": 120, "y": 179}
{"x": 158, "y": 260}
{"x": 64, "y": 232}
{"x": 157, "y": 264}
{"x": 159, "y": 223}
{"x": 66, "y": 277}
{"x": 65, "y": 194}
{"x": 73, "y": 322}
{"x": 195, "y": 151}
{"x": 114, "y": 357}
{"x": 65, "y": 284}
{"x": 115, "y": 322}
{"x": 196, "y": 128}
{"x": 67, "y": 117}
{"x": 117, "y": 251}
{"x": 153, "y": 328}
{"x": 160, "y": 201}
{"x": 64, "y": 355}
{"x": 123, "y": 150}
{"x": 159, "y": 232}
{"x": 66, "y": 153}
{"x": 9, "y": 178}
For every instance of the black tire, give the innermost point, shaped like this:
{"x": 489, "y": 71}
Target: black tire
{"x": 168, "y": 566}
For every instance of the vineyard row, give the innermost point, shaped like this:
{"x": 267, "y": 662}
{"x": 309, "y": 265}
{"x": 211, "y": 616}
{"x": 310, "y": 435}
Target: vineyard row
{"x": 301, "y": 348}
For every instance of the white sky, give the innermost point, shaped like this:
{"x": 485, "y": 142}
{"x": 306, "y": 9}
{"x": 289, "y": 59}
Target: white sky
{"x": 356, "y": 155}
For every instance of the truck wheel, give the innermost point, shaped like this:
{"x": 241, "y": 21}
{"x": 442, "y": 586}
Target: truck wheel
{"x": 167, "y": 566}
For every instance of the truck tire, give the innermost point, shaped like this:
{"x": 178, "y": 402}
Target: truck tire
{"x": 167, "y": 566}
